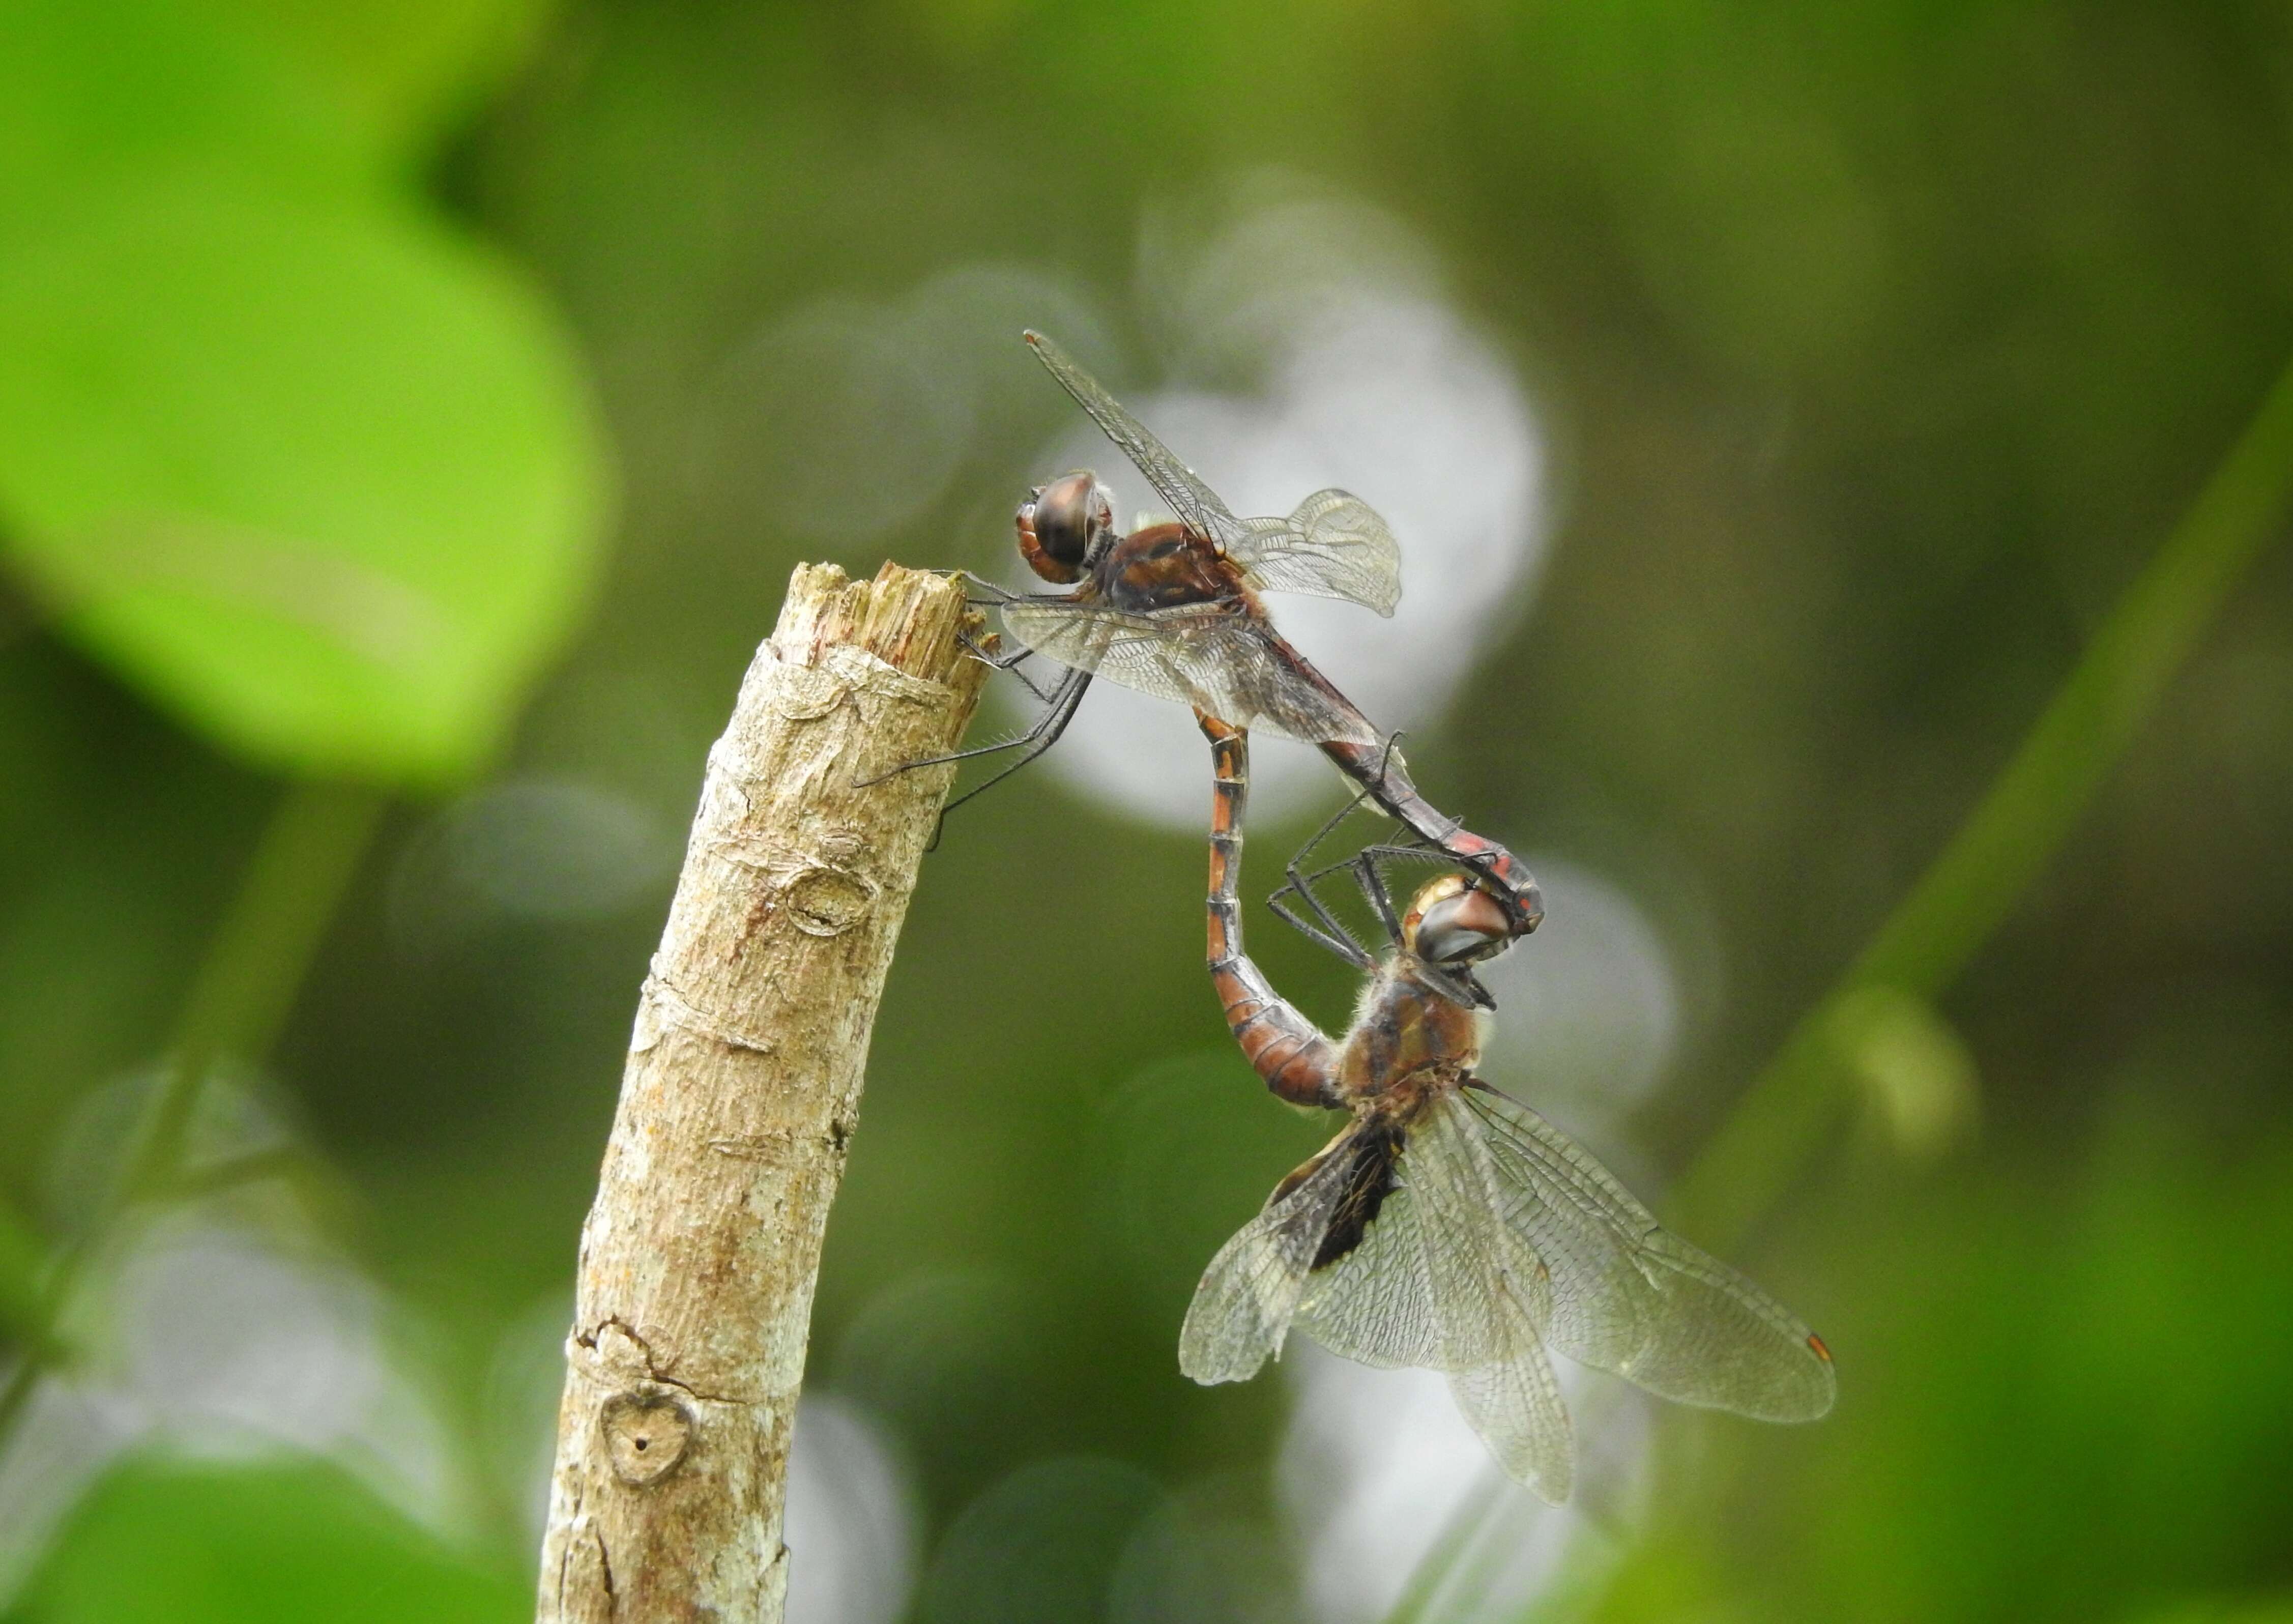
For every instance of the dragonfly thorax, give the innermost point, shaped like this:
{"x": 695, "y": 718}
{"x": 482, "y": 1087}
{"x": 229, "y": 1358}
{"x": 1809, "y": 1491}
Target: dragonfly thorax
{"x": 1409, "y": 1041}
{"x": 1170, "y": 567}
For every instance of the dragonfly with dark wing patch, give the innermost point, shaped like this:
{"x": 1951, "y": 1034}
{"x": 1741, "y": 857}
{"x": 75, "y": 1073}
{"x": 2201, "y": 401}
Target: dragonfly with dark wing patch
{"x": 1447, "y": 1225}
{"x": 1173, "y": 610}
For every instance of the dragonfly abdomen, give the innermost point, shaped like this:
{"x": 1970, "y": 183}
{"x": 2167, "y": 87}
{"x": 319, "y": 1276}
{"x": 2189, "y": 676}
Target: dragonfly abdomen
{"x": 1289, "y": 1051}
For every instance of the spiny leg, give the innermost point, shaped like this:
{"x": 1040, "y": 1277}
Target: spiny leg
{"x": 1062, "y": 699}
{"x": 1329, "y": 933}
{"x": 1041, "y": 736}
{"x": 1371, "y": 880}
{"x": 1387, "y": 778}
{"x": 994, "y": 593}
{"x": 1301, "y": 883}
{"x": 1457, "y": 987}
{"x": 1005, "y": 660}
{"x": 1002, "y": 660}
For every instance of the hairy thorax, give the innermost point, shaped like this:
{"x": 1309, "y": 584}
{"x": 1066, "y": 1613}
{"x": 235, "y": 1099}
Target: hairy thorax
{"x": 1407, "y": 1045}
{"x": 1164, "y": 566}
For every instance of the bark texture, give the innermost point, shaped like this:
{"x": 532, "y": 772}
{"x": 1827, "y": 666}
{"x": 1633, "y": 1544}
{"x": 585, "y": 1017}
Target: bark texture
{"x": 737, "y": 1105}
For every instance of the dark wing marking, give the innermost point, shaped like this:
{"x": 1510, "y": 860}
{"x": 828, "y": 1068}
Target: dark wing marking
{"x": 1212, "y": 658}
{"x": 1243, "y": 1309}
{"x": 1375, "y": 1303}
{"x": 1196, "y": 505}
{"x": 1631, "y": 1298}
{"x": 1332, "y": 545}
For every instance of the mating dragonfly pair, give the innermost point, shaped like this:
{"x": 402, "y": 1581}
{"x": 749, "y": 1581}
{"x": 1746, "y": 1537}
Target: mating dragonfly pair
{"x": 1447, "y": 1225}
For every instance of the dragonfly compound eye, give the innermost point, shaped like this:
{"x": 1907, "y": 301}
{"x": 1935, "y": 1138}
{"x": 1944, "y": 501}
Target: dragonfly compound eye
{"x": 1060, "y": 524}
{"x": 1456, "y": 923}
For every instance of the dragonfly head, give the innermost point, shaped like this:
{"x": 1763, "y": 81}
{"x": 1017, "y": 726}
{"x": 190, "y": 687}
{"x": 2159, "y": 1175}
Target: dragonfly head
{"x": 1452, "y": 925}
{"x": 1065, "y": 526}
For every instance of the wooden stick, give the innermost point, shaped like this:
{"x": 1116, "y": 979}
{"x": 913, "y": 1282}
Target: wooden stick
{"x": 737, "y": 1104}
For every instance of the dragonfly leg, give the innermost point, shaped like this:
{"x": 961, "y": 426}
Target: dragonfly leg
{"x": 988, "y": 593}
{"x": 1039, "y": 738}
{"x": 1326, "y": 931}
{"x": 1064, "y": 699}
{"x": 1371, "y": 880}
{"x": 1458, "y": 985}
{"x": 1001, "y": 659}
{"x": 1005, "y": 660}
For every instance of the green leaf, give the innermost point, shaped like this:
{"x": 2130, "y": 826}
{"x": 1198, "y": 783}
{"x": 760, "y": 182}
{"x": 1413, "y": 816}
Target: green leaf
{"x": 317, "y": 475}
{"x": 179, "y": 1543}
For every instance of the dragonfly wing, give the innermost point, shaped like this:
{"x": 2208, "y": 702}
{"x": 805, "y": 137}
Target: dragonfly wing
{"x": 1376, "y": 1303}
{"x": 1632, "y": 1298}
{"x": 1129, "y": 649}
{"x": 1493, "y": 1298}
{"x": 1243, "y": 1309}
{"x": 1515, "y": 1406}
{"x": 1487, "y": 1287}
{"x": 1196, "y": 503}
{"x": 1261, "y": 683}
{"x": 1201, "y": 655}
{"x": 1334, "y": 545}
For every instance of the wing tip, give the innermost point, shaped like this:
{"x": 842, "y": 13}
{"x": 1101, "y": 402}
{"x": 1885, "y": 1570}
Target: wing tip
{"x": 1824, "y": 1395}
{"x": 1212, "y": 1372}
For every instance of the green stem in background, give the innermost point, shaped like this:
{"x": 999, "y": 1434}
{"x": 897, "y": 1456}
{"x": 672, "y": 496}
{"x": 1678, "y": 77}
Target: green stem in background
{"x": 1790, "y": 1110}
{"x": 20, "y": 1278}
{"x": 1444, "y": 1562}
{"x": 239, "y": 998}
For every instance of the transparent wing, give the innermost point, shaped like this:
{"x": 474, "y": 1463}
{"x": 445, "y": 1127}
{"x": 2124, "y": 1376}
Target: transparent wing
{"x": 1243, "y": 1309}
{"x": 1515, "y": 1406}
{"x": 1487, "y": 1287}
{"x": 1211, "y": 658}
{"x": 1629, "y": 1297}
{"x": 1492, "y": 1299}
{"x": 1376, "y": 1303}
{"x": 1194, "y": 502}
{"x": 1333, "y": 545}
{"x": 1131, "y": 649}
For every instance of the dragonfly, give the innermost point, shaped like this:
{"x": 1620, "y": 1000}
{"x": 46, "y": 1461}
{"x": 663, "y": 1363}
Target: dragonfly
{"x": 1172, "y": 609}
{"x": 1447, "y": 1225}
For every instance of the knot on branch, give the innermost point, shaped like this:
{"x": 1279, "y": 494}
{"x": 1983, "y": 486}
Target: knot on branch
{"x": 827, "y": 901}
{"x": 646, "y": 1432}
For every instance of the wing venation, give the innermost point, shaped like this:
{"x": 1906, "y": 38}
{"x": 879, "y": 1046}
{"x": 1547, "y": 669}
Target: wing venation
{"x": 1631, "y": 1298}
{"x": 1205, "y": 656}
{"x": 1332, "y": 545}
{"x": 1249, "y": 1294}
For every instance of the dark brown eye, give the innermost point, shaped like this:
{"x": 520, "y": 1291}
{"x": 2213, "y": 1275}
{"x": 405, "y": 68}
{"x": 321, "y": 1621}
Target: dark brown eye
{"x": 1463, "y": 927}
{"x": 1060, "y": 524}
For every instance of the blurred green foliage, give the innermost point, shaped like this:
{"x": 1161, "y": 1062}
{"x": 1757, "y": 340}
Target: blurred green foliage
{"x": 173, "y": 1541}
{"x": 276, "y": 443}
{"x": 2067, "y": 1400}
{"x": 1880, "y": 348}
